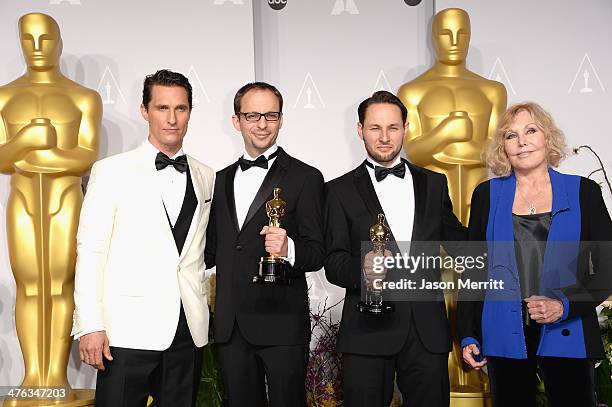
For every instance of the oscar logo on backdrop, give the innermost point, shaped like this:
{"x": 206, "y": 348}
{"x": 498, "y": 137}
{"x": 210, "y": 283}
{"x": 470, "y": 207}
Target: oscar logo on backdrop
{"x": 48, "y": 140}
{"x": 452, "y": 112}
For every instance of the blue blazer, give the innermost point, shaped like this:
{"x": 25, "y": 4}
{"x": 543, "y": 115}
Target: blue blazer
{"x": 578, "y": 214}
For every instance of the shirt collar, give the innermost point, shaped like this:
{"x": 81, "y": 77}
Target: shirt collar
{"x": 397, "y": 160}
{"x": 266, "y": 153}
{"x": 152, "y": 150}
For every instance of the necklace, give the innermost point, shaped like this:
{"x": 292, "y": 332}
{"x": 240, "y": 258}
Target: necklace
{"x": 532, "y": 208}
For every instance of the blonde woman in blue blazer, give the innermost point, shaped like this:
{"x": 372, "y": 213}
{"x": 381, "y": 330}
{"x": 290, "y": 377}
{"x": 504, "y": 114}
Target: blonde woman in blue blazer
{"x": 545, "y": 235}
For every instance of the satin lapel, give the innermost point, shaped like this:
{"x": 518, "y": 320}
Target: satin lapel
{"x": 145, "y": 169}
{"x": 419, "y": 181}
{"x": 229, "y": 195}
{"x": 198, "y": 183}
{"x": 363, "y": 182}
{"x": 366, "y": 190}
{"x": 271, "y": 181}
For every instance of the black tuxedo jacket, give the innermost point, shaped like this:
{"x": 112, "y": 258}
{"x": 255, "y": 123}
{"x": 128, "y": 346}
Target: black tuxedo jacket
{"x": 351, "y": 209}
{"x": 265, "y": 314}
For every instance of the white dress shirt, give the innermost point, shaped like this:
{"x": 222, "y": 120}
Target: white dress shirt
{"x": 246, "y": 185}
{"x": 171, "y": 185}
{"x": 396, "y": 196}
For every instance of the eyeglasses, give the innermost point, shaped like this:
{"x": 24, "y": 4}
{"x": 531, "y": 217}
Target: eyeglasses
{"x": 256, "y": 116}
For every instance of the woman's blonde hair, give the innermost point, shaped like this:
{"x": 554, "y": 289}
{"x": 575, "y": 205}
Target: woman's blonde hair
{"x": 495, "y": 156}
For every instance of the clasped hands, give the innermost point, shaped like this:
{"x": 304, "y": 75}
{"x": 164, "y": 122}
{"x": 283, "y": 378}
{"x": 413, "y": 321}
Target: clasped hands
{"x": 39, "y": 134}
{"x": 458, "y": 127}
{"x": 37, "y": 138}
{"x": 544, "y": 310}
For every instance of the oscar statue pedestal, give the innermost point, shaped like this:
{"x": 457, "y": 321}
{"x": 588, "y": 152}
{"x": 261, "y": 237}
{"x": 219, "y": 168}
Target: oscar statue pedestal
{"x": 76, "y": 398}
{"x": 468, "y": 396}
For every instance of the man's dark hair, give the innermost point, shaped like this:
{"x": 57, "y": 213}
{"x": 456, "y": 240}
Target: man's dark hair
{"x": 382, "y": 96}
{"x": 164, "y": 77}
{"x": 259, "y": 86}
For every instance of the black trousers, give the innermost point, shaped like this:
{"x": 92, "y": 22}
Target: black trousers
{"x": 568, "y": 382}
{"x": 248, "y": 368}
{"x": 422, "y": 377}
{"x": 171, "y": 376}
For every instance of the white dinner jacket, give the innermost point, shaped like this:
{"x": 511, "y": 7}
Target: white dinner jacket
{"x": 130, "y": 278}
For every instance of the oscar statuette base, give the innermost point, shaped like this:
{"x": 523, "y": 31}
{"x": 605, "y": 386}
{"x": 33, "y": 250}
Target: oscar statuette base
{"x": 76, "y": 398}
{"x": 272, "y": 270}
{"x": 371, "y": 308}
{"x": 469, "y": 397}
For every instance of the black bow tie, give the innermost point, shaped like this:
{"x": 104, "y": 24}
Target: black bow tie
{"x": 261, "y": 161}
{"x": 381, "y": 172}
{"x": 179, "y": 164}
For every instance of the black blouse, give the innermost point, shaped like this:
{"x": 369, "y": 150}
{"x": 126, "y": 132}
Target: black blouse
{"x": 530, "y": 235}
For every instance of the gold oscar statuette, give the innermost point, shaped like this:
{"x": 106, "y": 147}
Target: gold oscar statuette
{"x": 48, "y": 139}
{"x": 272, "y": 269}
{"x": 373, "y": 303}
{"x": 452, "y": 113}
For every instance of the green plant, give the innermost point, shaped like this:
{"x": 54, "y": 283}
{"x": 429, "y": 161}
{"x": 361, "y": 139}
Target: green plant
{"x": 603, "y": 368}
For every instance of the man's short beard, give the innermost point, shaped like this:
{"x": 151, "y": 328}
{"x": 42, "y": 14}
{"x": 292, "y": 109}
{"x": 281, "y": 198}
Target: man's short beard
{"x": 376, "y": 156}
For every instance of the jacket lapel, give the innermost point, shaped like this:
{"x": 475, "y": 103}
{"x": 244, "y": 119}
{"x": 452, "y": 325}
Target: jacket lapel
{"x": 199, "y": 184}
{"x": 419, "y": 182}
{"x": 363, "y": 183}
{"x": 366, "y": 190}
{"x": 271, "y": 181}
{"x": 145, "y": 173}
{"x": 229, "y": 195}
{"x": 501, "y": 239}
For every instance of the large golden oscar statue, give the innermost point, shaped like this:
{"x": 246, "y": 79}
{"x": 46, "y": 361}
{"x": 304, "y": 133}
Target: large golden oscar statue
{"x": 451, "y": 114}
{"x": 48, "y": 140}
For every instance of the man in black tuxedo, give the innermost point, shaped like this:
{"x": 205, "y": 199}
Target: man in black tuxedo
{"x": 263, "y": 331}
{"x": 414, "y": 340}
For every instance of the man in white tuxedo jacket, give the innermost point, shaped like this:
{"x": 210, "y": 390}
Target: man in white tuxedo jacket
{"x": 141, "y": 311}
